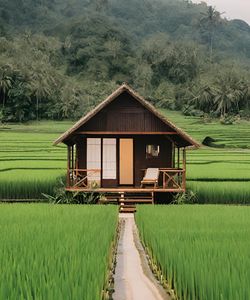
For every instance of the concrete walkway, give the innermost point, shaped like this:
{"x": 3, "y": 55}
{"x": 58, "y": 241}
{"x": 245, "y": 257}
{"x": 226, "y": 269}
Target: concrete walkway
{"x": 133, "y": 277}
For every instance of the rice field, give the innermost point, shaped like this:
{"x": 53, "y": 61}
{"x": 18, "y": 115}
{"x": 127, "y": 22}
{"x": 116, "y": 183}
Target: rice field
{"x": 29, "y": 163}
{"x": 218, "y": 175}
{"x": 54, "y": 252}
{"x": 203, "y": 251}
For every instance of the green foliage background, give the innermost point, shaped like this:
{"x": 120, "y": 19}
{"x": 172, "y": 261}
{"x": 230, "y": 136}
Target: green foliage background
{"x": 60, "y": 58}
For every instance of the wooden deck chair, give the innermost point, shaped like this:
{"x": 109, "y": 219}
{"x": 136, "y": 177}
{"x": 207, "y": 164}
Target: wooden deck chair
{"x": 151, "y": 177}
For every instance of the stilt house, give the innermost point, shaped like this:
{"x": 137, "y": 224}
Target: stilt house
{"x": 125, "y": 145}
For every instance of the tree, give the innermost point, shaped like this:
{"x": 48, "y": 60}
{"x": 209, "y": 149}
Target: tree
{"x": 229, "y": 93}
{"x": 209, "y": 22}
{"x": 113, "y": 46}
{"x": 5, "y": 84}
{"x": 100, "y": 4}
{"x": 202, "y": 96}
{"x": 39, "y": 88}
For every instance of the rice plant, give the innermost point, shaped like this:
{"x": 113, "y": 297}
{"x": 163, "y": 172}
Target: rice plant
{"x": 55, "y": 252}
{"x": 29, "y": 163}
{"x": 225, "y": 192}
{"x": 203, "y": 251}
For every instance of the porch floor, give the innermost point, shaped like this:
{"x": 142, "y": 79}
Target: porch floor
{"x": 125, "y": 189}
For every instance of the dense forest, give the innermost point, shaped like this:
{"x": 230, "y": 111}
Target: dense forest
{"x": 59, "y": 58}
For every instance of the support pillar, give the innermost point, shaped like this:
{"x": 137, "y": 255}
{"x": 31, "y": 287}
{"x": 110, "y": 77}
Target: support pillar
{"x": 68, "y": 165}
{"x": 184, "y": 169}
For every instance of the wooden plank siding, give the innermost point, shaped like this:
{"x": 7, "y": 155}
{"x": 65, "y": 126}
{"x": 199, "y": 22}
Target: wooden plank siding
{"x": 127, "y": 115}
{"x": 164, "y": 160}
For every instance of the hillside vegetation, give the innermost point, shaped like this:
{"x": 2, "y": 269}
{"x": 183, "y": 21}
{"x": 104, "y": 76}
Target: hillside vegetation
{"x": 59, "y": 58}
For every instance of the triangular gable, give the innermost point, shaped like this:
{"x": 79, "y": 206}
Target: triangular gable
{"x": 180, "y": 135}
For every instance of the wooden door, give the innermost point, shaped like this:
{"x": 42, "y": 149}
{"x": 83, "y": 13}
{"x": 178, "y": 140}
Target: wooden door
{"x": 126, "y": 162}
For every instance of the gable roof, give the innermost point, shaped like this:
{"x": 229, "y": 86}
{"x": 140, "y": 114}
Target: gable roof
{"x": 126, "y": 88}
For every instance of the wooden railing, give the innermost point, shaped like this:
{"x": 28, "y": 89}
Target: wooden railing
{"x": 173, "y": 179}
{"x": 84, "y": 178}
{"x": 170, "y": 179}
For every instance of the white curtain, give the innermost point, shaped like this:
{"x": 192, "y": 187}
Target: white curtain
{"x": 94, "y": 158}
{"x": 109, "y": 159}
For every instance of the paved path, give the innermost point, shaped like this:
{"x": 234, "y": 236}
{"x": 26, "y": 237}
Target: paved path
{"x": 133, "y": 278}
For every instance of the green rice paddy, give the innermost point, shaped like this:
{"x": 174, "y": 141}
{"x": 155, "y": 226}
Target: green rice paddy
{"x": 30, "y": 165}
{"x": 54, "y": 252}
{"x": 218, "y": 175}
{"x": 202, "y": 251}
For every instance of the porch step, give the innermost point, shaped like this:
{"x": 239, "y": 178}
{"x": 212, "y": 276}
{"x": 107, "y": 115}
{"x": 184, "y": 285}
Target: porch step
{"x": 127, "y": 200}
{"x": 136, "y": 200}
{"x": 127, "y": 209}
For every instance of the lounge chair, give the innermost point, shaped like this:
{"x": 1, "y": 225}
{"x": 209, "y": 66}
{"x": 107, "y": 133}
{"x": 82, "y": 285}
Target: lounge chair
{"x": 151, "y": 177}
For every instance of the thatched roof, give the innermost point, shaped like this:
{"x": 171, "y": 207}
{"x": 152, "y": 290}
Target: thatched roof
{"x": 126, "y": 88}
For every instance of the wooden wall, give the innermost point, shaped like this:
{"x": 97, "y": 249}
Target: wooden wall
{"x": 164, "y": 160}
{"x": 125, "y": 114}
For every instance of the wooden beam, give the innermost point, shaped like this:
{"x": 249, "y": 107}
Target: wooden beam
{"x": 173, "y": 151}
{"x": 184, "y": 168}
{"x": 121, "y": 190}
{"x": 68, "y": 167}
{"x": 127, "y": 133}
{"x": 178, "y": 158}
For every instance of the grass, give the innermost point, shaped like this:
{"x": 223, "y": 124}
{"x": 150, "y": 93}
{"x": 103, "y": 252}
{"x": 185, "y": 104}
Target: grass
{"x": 233, "y": 136}
{"x": 53, "y": 252}
{"x": 29, "y": 163}
{"x": 217, "y": 175}
{"x": 225, "y": 192}
{"x": 203, "y": 251}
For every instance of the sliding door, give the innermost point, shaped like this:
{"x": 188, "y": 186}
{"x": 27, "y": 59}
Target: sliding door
{"x": 109, "y": 159}
{"x": 94, "y": 160}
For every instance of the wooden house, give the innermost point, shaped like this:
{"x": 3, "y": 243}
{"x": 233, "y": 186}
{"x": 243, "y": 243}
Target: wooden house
{"x": 112, "y": 148}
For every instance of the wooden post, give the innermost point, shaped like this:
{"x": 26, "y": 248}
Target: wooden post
{"x": 72, "y": 157}
{"x": 184, "y": 169}
{"x": 173, "y": 163}
{"x": 76, "y": 157}
{"x": 68, "y": 167}
{"x": 178, "y": 158}
{"x": 73, "y": 164}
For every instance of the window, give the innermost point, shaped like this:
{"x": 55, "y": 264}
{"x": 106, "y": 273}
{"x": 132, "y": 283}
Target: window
{"x": 94, "y": 158}
{"x": 152, "y": 151}
{"x": 109, "y": 159}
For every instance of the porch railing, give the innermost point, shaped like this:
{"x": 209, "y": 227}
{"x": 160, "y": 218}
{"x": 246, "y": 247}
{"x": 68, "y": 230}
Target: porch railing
{"x": 84, "y": 178}
{"x": 173, "y": 179}
{"x": 169, "y": 179}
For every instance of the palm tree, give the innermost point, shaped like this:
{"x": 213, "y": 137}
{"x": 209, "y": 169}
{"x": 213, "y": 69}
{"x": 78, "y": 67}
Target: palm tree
{"x": 39, "y": 88}
{"x": 229, "y": 93}
{"x": 5, "y": 85}
{"x": 202, "y": 97}
{"x": 209, "y": 21}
